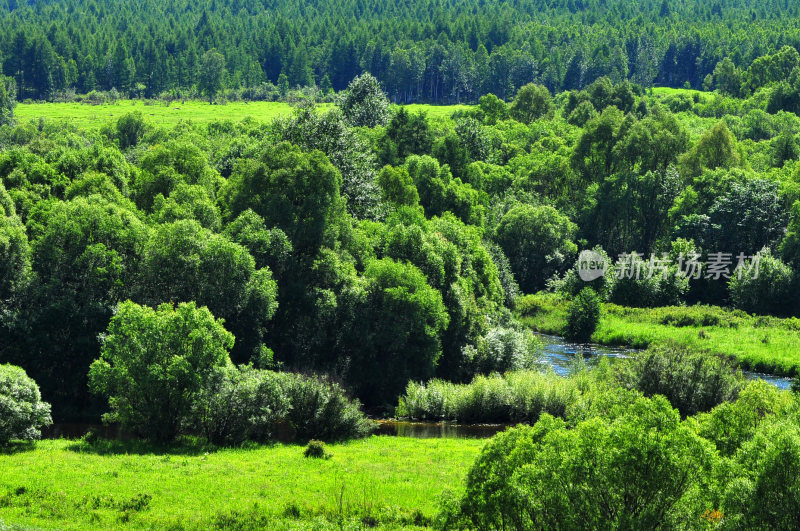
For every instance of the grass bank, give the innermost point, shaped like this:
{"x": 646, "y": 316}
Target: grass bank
{"x": 89, "y": 116}
{"x": 385, "y": 481}
{"x": 760, "y": 343}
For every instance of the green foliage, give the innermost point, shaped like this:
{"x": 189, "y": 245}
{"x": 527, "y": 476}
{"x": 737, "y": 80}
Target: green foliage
{"x": 406, "y": 134}
{"x": 239, "y": 404}
{"x": 583, "y": 314}
{"x": 766, "y": 492}
{"x": 502, "y": 349}
{"x": 319, "y": 409}
{"x": 245, "y": 404}
{"x": 440, "y": 192}
{"x": 732, "y": 424}
{"x": 640, "y": 465}
{"x": 316, "y": 449}
{"x": 644, "y": 283}
{"x": 22, "y": 411}
{"x": 183, "y": 262}
{"x": 330, "y": 133}
{"x": 715, "y": 149}
{"x": 211, "y": 72}
{"x": 8, "y": 100}
{"x": 15, "y": 264}
{"x": 130, "y": 129}
{"x": 400, "y": 322}
{"x": 769, "y": 290}
{"x": 538, "y": 243}
{"x": 692, "y": 382}
{"x": 294, "y": 191}
{"x": 397, "y": 186}
{"x": 521, "y": 396}
{"x": 531, "y": 103}
{"x": 364, "y": 103}
{"x": 495, "y": 109}
{"x": 153, "y": 364}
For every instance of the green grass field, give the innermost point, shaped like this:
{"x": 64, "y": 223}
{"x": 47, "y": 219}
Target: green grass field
{"x": 389, "y": 481}
{"x": 84, "y": 115}
{"x": 764, "y": 344}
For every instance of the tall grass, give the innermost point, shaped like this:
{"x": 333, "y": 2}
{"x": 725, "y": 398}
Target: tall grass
{"x": 520, "y": 396}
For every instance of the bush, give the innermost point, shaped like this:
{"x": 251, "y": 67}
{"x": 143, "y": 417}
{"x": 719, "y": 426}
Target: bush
{"x": 364, "y": 103}
{"x": 692, "y": 382}
{"x": 730, "y": 425}
{"x": 766, "y": 493}
{"x": 521, "y": 396}
{"x": 629, "y": 472}
{"x": 320, "y": 410}
{"x": 583, "y": 314}
{"x": 316, "y": 449}
{"x": 153, "y": 364}
{"x": 503, "y": 349}
{"x": 240, "y": 404}
{"x": 641, "y": 285}
{"x": 771, "y": 292}
{"x": 22, "y": 412}
{"x": 247, "y": 404}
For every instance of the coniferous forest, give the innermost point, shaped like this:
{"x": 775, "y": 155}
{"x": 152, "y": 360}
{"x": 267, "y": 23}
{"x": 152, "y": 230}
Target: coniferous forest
{"x": 434, "y": 51}
{"x": 455, "y": 265}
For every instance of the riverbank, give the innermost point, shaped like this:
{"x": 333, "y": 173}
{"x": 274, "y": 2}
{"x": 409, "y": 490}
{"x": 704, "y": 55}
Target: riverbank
{"x": 386, "y": 481}
{"x": 758, "y": 343}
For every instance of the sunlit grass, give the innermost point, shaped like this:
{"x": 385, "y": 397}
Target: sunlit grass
{"x": 84, "y": 115}
{"x": 389, "y": 480}
{"x": 764, "y": 344}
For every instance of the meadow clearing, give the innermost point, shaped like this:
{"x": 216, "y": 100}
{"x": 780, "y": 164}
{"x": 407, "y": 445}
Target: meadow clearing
{"x": 391, "y": 481}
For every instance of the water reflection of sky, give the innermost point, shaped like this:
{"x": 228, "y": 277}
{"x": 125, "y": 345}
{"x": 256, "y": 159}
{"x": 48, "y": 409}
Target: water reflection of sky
{"x": 560, "y": 354}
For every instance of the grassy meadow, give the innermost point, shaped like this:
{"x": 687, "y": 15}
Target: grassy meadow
{"x": 88, "y": 116}
{"x": 764, "y": 344}
{"x": 388, "y": 481}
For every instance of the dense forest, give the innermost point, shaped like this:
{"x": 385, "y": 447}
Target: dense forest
{"x": 434, "y": 51}
{"x": 379, "y": 246}
{"x": 241, "y": 235}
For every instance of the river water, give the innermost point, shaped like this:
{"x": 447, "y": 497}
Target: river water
{"x": 560, "y": 354}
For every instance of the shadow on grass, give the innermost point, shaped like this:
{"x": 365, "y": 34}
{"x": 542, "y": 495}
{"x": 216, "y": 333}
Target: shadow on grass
{"x": 17, "y": 447}
{"x": 184, "y": 446}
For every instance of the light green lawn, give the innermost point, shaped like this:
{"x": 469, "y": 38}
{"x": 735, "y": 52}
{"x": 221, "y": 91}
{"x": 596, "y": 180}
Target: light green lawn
{"x": 84, "y": 115}
{"x": 392, "y": 481}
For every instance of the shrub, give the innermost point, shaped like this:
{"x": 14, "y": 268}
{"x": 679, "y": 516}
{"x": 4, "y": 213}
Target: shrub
{"x": 583, "y": 314}
{"x": 320, "y": 410}
{"x": 732, "y": 424}
{"x": 641, "y": 285}
{"x": 153, "y": 364}
{"x": 692, "y": 382}
{"x": 316, "y": 449}
{"x": 247, "y": 404}
{"x": 503, "y": 349}
{"x": 130, "y": 129}
{"x": 770, "y": 292}
{"x": 22, "y": 412}
{"x": 642, "y": 467}
{"x": 240, "y": 404}
{"x": 364, "y": 103}
{"x": 766, "y": 493}
{"x": 521, "y": 396}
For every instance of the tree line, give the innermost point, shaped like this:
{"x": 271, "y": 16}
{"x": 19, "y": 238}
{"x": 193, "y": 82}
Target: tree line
{"x": 420, "y": 51}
